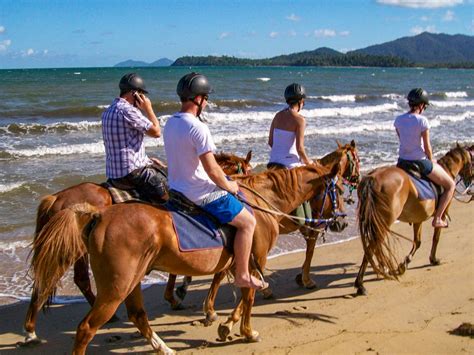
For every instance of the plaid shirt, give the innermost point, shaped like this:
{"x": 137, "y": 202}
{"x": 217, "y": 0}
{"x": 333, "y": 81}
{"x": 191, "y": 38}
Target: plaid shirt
{"x": 123, "y": 130}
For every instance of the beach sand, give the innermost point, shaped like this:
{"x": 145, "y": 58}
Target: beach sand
{"x": 414, "y": 315}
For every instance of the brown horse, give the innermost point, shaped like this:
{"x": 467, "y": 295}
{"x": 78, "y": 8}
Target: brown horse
{"x": 346, "y": 156}
{"x": 126, "y": 241}
{"x": 387, "y": 194}
{"x": 98, "y": 196}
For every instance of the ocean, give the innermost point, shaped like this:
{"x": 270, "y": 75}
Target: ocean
{"x": 50, "y": 132}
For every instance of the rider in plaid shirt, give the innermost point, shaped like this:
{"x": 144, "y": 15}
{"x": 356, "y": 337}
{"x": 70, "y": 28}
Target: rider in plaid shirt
{"x": 123, "y": 129}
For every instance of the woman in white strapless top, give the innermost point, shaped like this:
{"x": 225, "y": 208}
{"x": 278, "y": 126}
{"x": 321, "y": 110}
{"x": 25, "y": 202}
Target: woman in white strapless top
{"x": 287, "y": 131}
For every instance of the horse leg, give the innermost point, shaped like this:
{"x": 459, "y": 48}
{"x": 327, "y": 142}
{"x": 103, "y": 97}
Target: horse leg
{"x": 359, "y": 282}
{"x": 416, "y": 245}
{"x": 304, "y": 279}
{"x": 30, "y": 322}
{"x": 208, "y": 306}
{"x": 169, "y": 293}
{"x": 434, "y": 246}
{"x": 136, "y": 314}
{"x": 182, "y": 290}
{"x": 248, "y": 297}
{"x": 82, "y": 280}
{"x": 102, "y": 310}
{"x": 226, "y": 327}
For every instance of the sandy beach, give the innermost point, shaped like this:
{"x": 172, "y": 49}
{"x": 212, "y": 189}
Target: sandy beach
{"x": 413, "y": 316}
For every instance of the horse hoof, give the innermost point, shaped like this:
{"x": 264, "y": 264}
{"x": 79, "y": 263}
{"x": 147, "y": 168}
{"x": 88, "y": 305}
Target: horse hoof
{"x": 299, "y": 280}
{"x": 30, "y": 343}
{"x": 435, "y": 262}
{"x": 210, "y": 318}
{"x": 402, "y": 268}
{"x": 177, "y": 307}
{"x": 223, "y": 331}
{"x": 181, "y": 292}
{"x": 254, "y": 338}
{"x": 361, "y": 291}
{"x": 113, "y": 319}
{"x": 267, "y": 293}
{"x": 311, "y": 285}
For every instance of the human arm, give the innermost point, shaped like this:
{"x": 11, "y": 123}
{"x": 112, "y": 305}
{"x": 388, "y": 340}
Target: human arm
{"x": 270, "y": 136}
{"x": 425, "y": 135}
{"x": 215, "y": 173}
{"x": 300, "y": 128}
{"x": 144, "y": 104}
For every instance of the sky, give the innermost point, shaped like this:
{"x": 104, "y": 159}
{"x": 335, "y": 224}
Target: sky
{"x": 101, "y": 33}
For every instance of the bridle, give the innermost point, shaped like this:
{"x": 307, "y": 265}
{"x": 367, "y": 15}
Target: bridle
{"x": 352, "y": 177}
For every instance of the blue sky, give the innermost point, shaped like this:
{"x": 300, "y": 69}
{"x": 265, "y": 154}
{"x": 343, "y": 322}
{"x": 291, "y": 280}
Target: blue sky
{"x": 84, "y": 33}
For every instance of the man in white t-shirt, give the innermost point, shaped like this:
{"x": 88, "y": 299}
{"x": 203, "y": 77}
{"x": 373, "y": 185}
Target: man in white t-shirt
{"x": 193, "y": 171}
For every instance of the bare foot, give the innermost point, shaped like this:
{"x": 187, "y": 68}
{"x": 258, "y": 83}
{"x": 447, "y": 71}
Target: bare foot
{"x": 252, "y": 282}
{"x": 439, "y": 223}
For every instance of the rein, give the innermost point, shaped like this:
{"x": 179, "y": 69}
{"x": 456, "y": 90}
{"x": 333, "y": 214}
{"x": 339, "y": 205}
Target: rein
{"x": 277, "y": 212}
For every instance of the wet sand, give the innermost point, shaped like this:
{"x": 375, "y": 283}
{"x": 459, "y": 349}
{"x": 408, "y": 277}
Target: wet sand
{"x": 414, "y": 315}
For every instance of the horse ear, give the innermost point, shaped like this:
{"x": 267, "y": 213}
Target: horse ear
{"x": 458, "y": 145}
{"x": 353, "y": 144}
{"x": 249, "y": 156}
{"x": 339, "y": 145}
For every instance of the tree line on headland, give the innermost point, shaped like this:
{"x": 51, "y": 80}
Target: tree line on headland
{"x": 428, "y": 50}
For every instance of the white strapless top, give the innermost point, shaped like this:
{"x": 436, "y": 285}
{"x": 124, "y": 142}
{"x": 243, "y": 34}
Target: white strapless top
{"x": 284, "y": 148}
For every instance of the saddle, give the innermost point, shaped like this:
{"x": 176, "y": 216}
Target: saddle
{"x": 427, "y": 189}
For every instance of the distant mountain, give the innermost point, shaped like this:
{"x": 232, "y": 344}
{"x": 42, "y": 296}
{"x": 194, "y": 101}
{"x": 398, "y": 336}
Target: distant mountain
{"x": 163, "y": 62}
{"x": 427, "y": 48}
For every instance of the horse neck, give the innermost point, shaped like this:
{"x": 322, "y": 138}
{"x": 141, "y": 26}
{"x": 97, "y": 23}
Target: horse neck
{"x": 287, "y": 189}
{"x": 333, "y": 158}
{"x": 452, "y": 163}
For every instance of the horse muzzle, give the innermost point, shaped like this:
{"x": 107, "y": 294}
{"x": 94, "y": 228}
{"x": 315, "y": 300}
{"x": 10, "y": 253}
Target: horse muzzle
{"x": 338, "y": 225}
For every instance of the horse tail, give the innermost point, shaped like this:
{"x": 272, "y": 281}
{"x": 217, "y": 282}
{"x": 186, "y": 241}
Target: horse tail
{"x": 44, "y": 212}
{"x": 374, "y": 213}
{"x": 58, "y": 246}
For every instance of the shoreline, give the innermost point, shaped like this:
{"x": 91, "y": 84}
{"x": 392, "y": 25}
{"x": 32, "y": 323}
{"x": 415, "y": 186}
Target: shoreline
{"x": 413, "y": 315}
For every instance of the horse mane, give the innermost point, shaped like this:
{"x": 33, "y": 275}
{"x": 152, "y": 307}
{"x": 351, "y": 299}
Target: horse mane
{"x": 333, "y": 156}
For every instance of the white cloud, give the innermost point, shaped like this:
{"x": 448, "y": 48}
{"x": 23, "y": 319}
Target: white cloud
{"x": 5, "y": 44}
{"x": 424, "y": 18}
{"x": 292, "y": 33}
{"x": 293, "y": 17}
{"x": 344, "y": 33}
{"x": 324, "y": 33}
{"x": 448, "y": 16}
{"x": 224, "y": 35}
{"x": 273, "y": 34}
{"x": 426, "y": 4}
{"x": 28, "y": 53}
{"x": 418, "y": 29}
{"x": 2, "y": 29}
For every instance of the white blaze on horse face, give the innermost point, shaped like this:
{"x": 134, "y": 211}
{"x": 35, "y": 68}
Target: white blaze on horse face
{"x": 160, "y": 345}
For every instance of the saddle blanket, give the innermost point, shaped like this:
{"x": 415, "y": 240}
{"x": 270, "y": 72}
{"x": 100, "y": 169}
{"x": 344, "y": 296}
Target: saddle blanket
{"x": 119, "y": 195}
{"x": 424, "y": 188}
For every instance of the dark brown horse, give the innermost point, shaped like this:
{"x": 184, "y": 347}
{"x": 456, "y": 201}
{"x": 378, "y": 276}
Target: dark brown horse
{"x": 387, "y": 194}
{"x": 98, "y": 196}
{"x": 126, "y": 241}
{"x": 346, "y": 156}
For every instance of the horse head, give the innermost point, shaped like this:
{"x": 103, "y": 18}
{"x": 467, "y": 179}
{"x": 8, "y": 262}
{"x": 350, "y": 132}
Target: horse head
{"x": 232, "y": 164}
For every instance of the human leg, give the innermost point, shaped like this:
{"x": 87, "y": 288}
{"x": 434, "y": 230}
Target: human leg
{"x": 439, "y": 176}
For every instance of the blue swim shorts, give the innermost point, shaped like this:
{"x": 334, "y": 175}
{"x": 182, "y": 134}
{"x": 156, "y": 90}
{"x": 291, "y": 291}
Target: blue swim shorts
{"x": 224, "y": 208}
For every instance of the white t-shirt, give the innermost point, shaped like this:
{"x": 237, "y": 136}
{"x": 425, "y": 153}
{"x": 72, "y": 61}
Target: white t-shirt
{"x": 186, "y": 138}
{"x": 410, "y": 127}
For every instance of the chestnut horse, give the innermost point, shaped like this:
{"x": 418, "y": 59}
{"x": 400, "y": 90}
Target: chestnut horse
{"x": 346, "y": 157}
{"x": 322, "y": 207}
{"x": 98, "y": 196}
{"x": 127, "y": 241}
{"x": 387, "y": 194}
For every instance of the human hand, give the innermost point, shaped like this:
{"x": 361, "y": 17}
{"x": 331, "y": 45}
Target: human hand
{"x": 158, "y": 162}
{"x": 143, "y": 102}
{"x": 232, "y": 187}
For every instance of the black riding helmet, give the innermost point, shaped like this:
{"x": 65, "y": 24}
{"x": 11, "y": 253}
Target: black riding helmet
{"x": 192, "y": 85}
{"x": 418, "y": 96}
{"x": 131, "y": 82}
{"x": 294, "y": 93}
